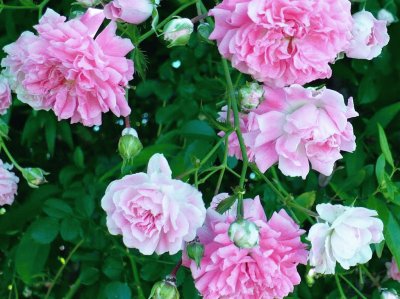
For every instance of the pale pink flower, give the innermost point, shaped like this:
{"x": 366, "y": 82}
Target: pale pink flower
{"x": 344, "y": 237}
{"x": 369, "y": 36}
{"x": 296, "y": 127}
{"x": 5, "y": 95}
{"x": 130, "y": 11}
{"x": 393, "y": 270}
{"x": 268, "y": 270}
{"x": 71, "y": 68}
{"x": 8, "y": 185}
{"x": 152, "y": 211}
{"x": 282, "y": 42}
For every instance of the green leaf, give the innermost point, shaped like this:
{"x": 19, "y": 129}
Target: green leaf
{"x": 50, "y": 133}
{"x": 382, "y": 117}
{"x": 305, "y": 200}
{"x": 89, "y": 275}
{"x": 57, "y": 208}
{"x": 70, "y": 229}
{"x": 380, "y": 169}
{"x": 198, "y": 129}
{"x": 112, "y": 267}
{"x": 391, "y": 228}
{"x": 44, "y": 230}
{"x": 150, "y": 271}
{"x": 368, "y": 90}
{"x": 379, "y": 248}
{"x": 66, "y": 134}
{"x": 79, "y": 158}
{"x": 118, "y": 290}
{"x": 226, "y": 204}
{"x": 30, "y": 258}
{"x": 385, "y": 146}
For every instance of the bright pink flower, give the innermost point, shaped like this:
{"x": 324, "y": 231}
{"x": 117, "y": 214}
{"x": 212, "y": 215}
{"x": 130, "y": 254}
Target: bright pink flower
{"x": 369, "y": 36}
{"x": 266, "y": 271}
{"x": 5, "y": 95}
{"x": 296, "y": 126}
{"x": 393, "y": 270}
{"x": 134, "y": 12}
{"x": 69, "y": 70}
{"x": 281, "y": 42}
{"x": 8, "y": 185}
{"x": 152, "y": 211}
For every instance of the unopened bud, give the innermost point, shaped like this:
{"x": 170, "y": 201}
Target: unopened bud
{"x": 244, "y": 233}
{"x": 251, "y": 95}
{"x": 389, "y": 294}
{"x": 164, "y": 290}
{"x": 89, "y": 2}
{"x": 177, "y": 32}
{"x": 34, "y": 176}
{"x": 195, "y": 251}
{"x": 129, "y": 145}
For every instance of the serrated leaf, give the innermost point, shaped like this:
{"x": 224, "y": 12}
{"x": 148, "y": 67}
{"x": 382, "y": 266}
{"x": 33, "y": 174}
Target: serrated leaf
{"x": 70, "y": 229}
{"x": 57, "y": 208}
{"x": 385, "y": 146}
{"x": 118, "y": 290}
{"x": 44, "y": 230}
{"x": 225, "y": 204}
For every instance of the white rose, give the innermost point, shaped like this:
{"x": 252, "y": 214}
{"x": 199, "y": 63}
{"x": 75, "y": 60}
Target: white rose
{"x": 344, "y": 237}
{"x": 389, "y": 294}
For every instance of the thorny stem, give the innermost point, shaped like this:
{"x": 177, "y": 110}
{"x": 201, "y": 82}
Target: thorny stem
{"x": 176, "y": 268}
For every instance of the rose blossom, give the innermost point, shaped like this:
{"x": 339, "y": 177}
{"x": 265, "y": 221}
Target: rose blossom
{"x": 282, "y": 42}
{"x": 152, "y": 211}
{"x": 344, "y": 237}
{"x": 278, "y": 131}
{"x": 8, "y": 185}
{"x": 393, "y": 270}
{"x": 88, "y": 2}
{"x": 134, "y": 12}
{"x": 265, "y": 271}
{"x": 5, "y": 95}
{"x": 70, "y": 68}
{"x": 369, "y": 36}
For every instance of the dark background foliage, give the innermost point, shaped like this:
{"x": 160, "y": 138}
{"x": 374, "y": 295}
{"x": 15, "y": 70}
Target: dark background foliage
{"x": 56, "y": 235}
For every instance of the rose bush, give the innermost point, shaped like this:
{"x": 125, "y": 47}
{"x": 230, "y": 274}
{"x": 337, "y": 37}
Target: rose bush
{"x": 250, "y": 152}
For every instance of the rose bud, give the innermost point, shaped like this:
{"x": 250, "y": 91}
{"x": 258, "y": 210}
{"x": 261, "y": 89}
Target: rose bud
{"x": 164, "y": 290}
{"x": 195, "y": 251}
{"x": 244, "y": 233}
{"x": 129, "y": 145}
{"x": 177, "y": 32}
{"x": 251, "y": 95}
{"x": 133, "y": 12}
{"x": 34, "y": 176}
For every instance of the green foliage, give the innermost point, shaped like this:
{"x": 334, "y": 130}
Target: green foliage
{"x": 56, "y": 235}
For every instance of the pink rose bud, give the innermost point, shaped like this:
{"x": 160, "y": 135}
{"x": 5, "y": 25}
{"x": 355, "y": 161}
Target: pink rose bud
{"x": 369, "y": 36}
{"x": 129, "y": 145}
{"x": 165, "y": 289}
{"x": 244, "y": 233}
{"x": 5, "y": 95}
{"x": 393, "y": 270}
{"x": 177, "y": 32}
{"x": 251, "y": 95}
{"x": 130, "y": 11}
{"x": 34, "y": 176}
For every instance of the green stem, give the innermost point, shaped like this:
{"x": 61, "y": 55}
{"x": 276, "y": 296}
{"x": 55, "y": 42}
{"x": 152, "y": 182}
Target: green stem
{"x": 60, "y": 271}
{"x": 370, "y": 276}
{"x": 165, "y": 21}
{"x": 4, "y": 147}
{"x": 268, "y": 182}
{"x": 73, "y": 289}
{"x": 352, "y": 286}
{"x": 136, "y": 276}
{"x": 41, "y": 7}
{"x": 339, "y": 285}
{"x": 12, "y": 7}
{"x": 236, "y": 122}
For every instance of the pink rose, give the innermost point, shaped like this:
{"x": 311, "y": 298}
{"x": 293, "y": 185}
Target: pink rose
{"x": 134, "y": 12}
{"x": 344, "y": 236}
{"x": 152, "y": 211}
{"x": 268, "y": 270}
{"x": 282, "y": 42}
{"x": 71, "y": 68}
{"x": 369, "y": 36}
{"x": 8, "y": 185}
{"x": 393, "y": 270}
{"x": 278, "y": 131}
{"x": 5, "y": 95}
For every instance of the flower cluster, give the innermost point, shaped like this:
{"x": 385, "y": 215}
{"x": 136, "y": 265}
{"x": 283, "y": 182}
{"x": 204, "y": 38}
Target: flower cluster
{"x": 277, "y": 131}
{"x": 68, "y": 69}
{"x": 268, "y": 270}
{"x": 152, "y": 211}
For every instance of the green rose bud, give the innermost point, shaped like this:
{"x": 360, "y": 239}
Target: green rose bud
{"x": 244, "y": 233}
{"x": 129, "y": 145}
{"x": 165, "y": 289}
{"x": 34, "y": 176}
{"x": 195, "y": 251}
{"x": 177, "y": 32}
{"x": 251, "y": 95}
